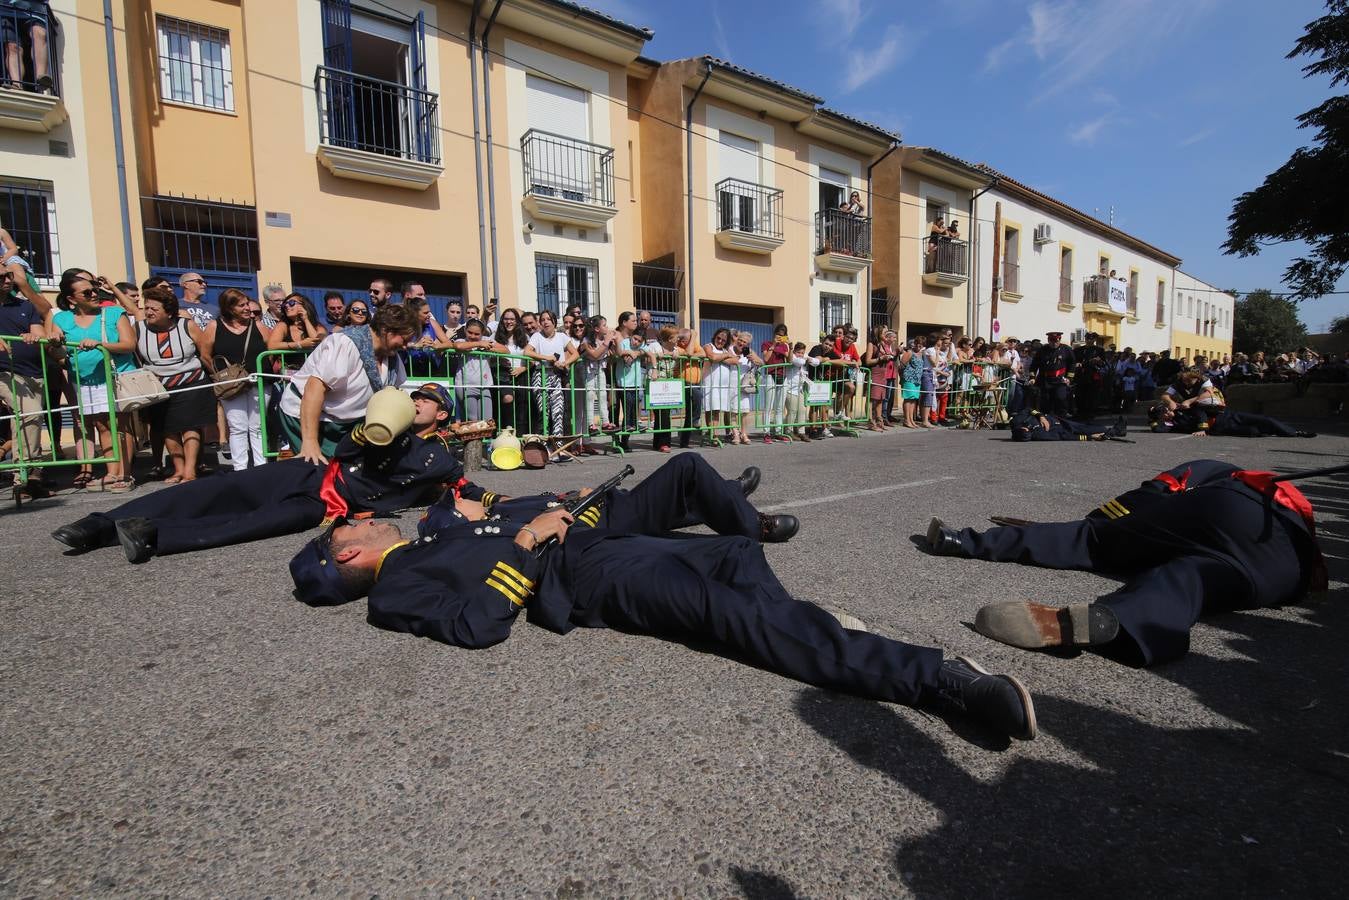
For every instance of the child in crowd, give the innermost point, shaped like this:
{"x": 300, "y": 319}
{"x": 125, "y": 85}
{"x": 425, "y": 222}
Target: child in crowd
{"x": 795, "y": 383}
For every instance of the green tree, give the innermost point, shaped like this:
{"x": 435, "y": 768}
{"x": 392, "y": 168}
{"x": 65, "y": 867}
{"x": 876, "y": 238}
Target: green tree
{"x": 1265, "y": 322}
{"x": 1299, "y": 201}
{"x": 1339, "y": 325}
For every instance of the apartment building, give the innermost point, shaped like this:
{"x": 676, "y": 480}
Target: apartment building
{"x": 920, "y": 286}
{"x": 1053, "y": 271}
{"x": 745, "y": 202}
{"x": 1201, "y": 319}
{"x": 59, "y": 195}
{"x": 323, "y": 143}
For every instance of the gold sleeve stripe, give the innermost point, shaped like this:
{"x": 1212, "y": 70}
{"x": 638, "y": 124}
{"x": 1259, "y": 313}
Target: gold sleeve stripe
{"x": 1109, "y": 513}
{"x": 504, "y": 568}
{"x": 1119, "y": 507}
{"x": 508, "y": 592}
{"x": 590, "y": 517}
{"x": 510, "y": 580}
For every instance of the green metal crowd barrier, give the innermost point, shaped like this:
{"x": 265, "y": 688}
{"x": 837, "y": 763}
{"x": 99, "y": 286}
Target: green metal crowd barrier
{"x": 36, "y": 404}
{"x": 979, "y": 394}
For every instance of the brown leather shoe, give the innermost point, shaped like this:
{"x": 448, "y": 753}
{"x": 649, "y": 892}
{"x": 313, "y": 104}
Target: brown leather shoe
{"x": 1034, "y": 626}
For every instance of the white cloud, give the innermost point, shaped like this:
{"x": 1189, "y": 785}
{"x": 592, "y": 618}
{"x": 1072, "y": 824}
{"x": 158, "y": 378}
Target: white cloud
{"x": 1196, "y": 137}
{"x": 719, "y": 34}
{"x": 1076, "y": 40}
{"x": 843, "y": 15}
{"x": 1087, "y": 133}
{"x": 865, "y": 65}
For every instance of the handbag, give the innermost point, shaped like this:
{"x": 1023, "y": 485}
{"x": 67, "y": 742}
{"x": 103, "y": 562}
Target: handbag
{"x": 137, "y": 388}
{"x": 749, "y": 382}
{"x": 232, "y": 373}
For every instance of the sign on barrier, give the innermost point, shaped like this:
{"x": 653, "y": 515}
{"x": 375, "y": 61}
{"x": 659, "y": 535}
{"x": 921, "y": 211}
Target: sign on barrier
{"x": 665, "y": 393}
{"x": 819, "y": 393}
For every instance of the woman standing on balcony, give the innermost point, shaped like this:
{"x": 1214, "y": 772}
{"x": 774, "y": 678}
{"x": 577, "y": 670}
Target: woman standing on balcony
{"x": 720, "y": 387}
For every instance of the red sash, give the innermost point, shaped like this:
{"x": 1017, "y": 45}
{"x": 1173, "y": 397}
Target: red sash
{"x": 1174, "y": 484}
{"x": 335, "y": 504}
{"x": 1288, "y": 496}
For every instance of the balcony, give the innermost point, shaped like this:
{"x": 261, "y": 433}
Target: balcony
{"x": 567, "y": 180}
{"x": 33, "y": 103}
{"x": 842, "y": 241}
{"x": 1011, "y": 280}
{"x": 749, "y": 216}
{"x": 1103, "y": 294}
{"x": 379, "y": 131}
{"x": 1065, "y": 292}
{"x": 946, "y": 263}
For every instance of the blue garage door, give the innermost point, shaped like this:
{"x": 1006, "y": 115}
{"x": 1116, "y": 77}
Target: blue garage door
{"x": 215, "y": 281}
{"x": 760, "y": 331}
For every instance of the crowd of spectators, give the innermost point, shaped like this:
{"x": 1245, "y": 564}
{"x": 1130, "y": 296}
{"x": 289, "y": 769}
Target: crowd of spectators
{"x": 576, "y": 380}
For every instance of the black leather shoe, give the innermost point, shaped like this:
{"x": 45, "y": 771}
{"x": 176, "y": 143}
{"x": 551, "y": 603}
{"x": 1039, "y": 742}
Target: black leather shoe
{"x": 943, "y": 541}
{"x": 998, "y": 701}
{"x": 87, "y": 534}
{"x": 749, "y": 479}
{"x": 1120, "y": 428}
{"x": 777, "y": 529}
{"x": 138, "y": 538}
{"x": 1306, "y": 434}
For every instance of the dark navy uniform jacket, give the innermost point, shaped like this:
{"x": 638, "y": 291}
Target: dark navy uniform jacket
{"x": 1052, "y": 363}
{"x": 407, "y": 472}
{"x": 1026, "y": 426}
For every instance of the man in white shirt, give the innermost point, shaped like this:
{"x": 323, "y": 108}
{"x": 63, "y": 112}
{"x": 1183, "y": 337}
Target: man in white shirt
{"x": 328, "y": 396}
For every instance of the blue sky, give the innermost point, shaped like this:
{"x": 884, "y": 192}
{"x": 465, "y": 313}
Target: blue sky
{"x": 1165, "y": 109}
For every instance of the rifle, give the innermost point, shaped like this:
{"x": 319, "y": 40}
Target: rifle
{"x": 581, "y": 504}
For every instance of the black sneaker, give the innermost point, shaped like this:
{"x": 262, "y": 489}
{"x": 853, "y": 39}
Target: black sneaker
{"x": 998, "y": 701}
{"x": 138, "y": 538}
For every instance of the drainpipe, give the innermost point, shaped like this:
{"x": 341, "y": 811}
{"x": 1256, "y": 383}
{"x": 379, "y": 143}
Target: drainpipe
{"x": 491, "y": 166}
{"x": 971, "y": 314}
{"x": 120, "y": 153}
{"x": 477, "y": 146}
{"x": 688, "y": 174}
{"x": 880, "y": 159}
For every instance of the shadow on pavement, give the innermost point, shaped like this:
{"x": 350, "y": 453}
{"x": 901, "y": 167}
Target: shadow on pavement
{"x": 1254, "y": 808}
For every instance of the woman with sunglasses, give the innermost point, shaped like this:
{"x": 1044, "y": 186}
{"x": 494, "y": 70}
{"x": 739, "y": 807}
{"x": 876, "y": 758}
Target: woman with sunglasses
{"x": 95, "y": 328}
{"x": 357, "y": 313}
{"x": 298, "y": 329}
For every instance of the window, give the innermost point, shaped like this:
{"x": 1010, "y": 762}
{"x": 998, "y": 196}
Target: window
{"x": 1104, "y": 267}
{"x": 1133, "y": 293}
{"x": 564, "y": 282}
{"x": 835, "y": 309}
{"x": 833, "y": 188}
{"x": 29, "y": 214}
{"x": 1011, "y": 258}
{"x": 1161, "y": 302}
{"x": 194, "y": 64}
{"x": 182, "y": 233}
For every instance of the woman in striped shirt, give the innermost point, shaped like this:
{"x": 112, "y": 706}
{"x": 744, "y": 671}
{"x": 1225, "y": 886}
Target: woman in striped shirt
{"x": 176, "y": 351}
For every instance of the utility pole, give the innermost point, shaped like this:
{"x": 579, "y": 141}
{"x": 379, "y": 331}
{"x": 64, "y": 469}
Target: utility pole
{"x": 997, "y": 264}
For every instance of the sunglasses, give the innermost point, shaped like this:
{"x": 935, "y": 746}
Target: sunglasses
{"x": 88, "y": 294}
{"x": 359, "y": 311}
{"x": 201, "y": 281}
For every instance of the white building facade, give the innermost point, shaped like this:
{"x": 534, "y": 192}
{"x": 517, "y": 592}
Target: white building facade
{"x": 1054, "y": 264}
{"x": 1201, "y": 319}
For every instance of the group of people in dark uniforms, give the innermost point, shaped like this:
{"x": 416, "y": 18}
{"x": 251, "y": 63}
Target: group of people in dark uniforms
{"x": 1200, "y": 537}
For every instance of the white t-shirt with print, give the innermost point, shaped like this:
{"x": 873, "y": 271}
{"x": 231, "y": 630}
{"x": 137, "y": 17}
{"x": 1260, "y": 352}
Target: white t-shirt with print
{"x": 337, "y": 363}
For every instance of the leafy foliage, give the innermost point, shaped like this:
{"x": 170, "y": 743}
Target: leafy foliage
{"x": 1263, "y": 321}
{"x": 1301, "y": 201}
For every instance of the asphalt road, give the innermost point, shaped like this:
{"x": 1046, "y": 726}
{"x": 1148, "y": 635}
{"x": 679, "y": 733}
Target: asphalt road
{"x": 186, "y": 728}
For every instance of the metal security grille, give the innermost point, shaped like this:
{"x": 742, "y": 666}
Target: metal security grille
{"x": 28, "y": 213}
{"x": 835, "y": 309}
{"x": 879, "y": 313}
{"x": 201, "y": 234}
{"x": 194, "y": 64}
{"x": 656, "y": 288}
{"x": 564, "y": 281}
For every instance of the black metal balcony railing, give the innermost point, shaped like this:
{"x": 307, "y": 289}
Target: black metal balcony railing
{"x": 358, "y": 112}
{"x": 35, "y": 47}
{"x": 1096, "y": 289}
{"x": 182, "y": 233}
{"x": 1065, "y": 290}
{"x": 655, "y": 288}
{"x": 1011, "y": 277}
{"x": 946, "y": 257}
{"x": 567, "y": 168}
{"x": 838, "y": 231}
{"x": 752, "y": 208}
